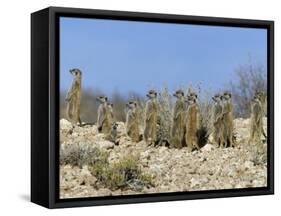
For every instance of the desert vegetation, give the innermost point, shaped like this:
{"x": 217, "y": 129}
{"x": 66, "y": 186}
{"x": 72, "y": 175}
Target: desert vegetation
{"x": 250, "y": 79}
{"x": 123, "y": 174}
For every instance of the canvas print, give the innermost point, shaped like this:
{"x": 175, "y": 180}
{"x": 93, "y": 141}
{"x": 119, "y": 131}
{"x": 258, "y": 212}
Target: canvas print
{"x": 148, "y": 107}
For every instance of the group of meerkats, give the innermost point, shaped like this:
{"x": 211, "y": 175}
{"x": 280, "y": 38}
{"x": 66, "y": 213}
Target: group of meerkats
{"x": 185, "y": 118}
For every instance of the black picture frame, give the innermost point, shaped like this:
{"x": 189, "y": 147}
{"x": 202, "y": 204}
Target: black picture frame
{"x": 45, "y": 106}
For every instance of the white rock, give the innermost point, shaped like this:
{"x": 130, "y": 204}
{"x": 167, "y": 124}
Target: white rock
{"x": 194, "y": 182}
{"x": 248, "y": 164}
{"x": 208, "y": 147}
{"x": 106, "y": 144}
{"x": 65, "y": 125}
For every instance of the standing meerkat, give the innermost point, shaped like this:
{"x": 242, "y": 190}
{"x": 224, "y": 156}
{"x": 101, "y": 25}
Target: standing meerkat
{"x": 262, "y": 98}
{"x": 192, "y": 95}
{"x": 113, "y": 135}
{"x": 256, "y": 124}
{"x": 191, "y": 126}
{"x": 151, "y": 111}
{"x": 132, "y": 121}
{"x": 110, "y": 112}
{"x": 178, "y": 126}
{"x": 227, "y": 120}
{"x": 73, "y": 97}
{"x": 104, "y": 121}
{"x": 218, "y": 125}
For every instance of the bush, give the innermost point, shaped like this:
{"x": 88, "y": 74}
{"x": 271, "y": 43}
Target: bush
{"x": 122, "y": 175}
{"x": 250, "y": 78}
{"x": 258, "y": 154}
{"x": 78, "y": 154}
{"x": 205, "y": 120}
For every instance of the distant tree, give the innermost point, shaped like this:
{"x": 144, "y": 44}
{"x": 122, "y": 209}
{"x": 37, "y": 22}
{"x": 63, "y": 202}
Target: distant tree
{"x": 249, "y": 79}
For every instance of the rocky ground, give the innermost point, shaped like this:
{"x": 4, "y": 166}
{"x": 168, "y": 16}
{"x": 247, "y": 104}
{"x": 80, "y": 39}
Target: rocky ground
{"x": 172, "y": 169}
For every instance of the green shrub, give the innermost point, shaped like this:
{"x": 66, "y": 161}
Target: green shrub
{"x": 79, "y": 154}
{"x": 124, "y": 174}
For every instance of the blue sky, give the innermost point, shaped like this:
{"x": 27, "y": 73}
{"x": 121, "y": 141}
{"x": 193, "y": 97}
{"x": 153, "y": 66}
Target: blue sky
{"x": 136, "y": 56}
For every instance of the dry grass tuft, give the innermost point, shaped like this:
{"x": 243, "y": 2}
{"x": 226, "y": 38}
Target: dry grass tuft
{"x": 124, "y": 174}
{"x": 79, "y": 154}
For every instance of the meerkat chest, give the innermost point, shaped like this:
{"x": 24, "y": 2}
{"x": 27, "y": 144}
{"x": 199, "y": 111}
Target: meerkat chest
{"x": 192, "y": 113}
{"x": 179, "y": 106}
{"x": 131, "y": 115}
{"x": 218, "y": 108}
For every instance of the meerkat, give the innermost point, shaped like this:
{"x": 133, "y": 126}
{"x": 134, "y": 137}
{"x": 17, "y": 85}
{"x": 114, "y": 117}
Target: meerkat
{"x": 262, "y": 98}
{"x": 192, "y": 94}
{"x": 113, "y": 135}
{"x": 178, "y": 125}
{"x": 227, "y": 119}
{"x": 110, "y": 112}
{"x": 191, "y": 122}
{"x": 104, "y": 121}
{"x": 132, "y": 121}
{"x": 151, "y": 111}
{"x": 256, "y": 124}
{"x": 73, "y": 97}
{"x": 217, "y": 112}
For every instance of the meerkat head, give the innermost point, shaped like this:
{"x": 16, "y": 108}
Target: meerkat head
{"x": 131, "y": 104}
{"x": 178, "y": 94}
{"x": 227, "y": 95}
{"x": 193, "y": 95}
{"x": 259, "y": 94}
{"x": 217, "y": 98}
{"x": 190, "y": 100}
{"x": 151, "y": 94}
{"x": 102, "y": 99}
{"x": 256, "y": 98}
{"x": 114, "y": 125}
{"x": 75, "y": 72}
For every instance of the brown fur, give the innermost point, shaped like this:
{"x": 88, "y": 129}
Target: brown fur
{"x": 218, "y": 121}
{"x": 191, "y": 138}
{"x": 256, "y": 124}
{"x": 104, "y": 121}
{"x": 262, "y": 98}
{"x": 151, "y": 110}
{"x": 227, "y": 120}
{"x": 110, "y": 112}
{"x": 132, "y": 122}
{"x": 178, "y": 127}
{"x": 113, "y": 135}
{"x": 73, "y": 98}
